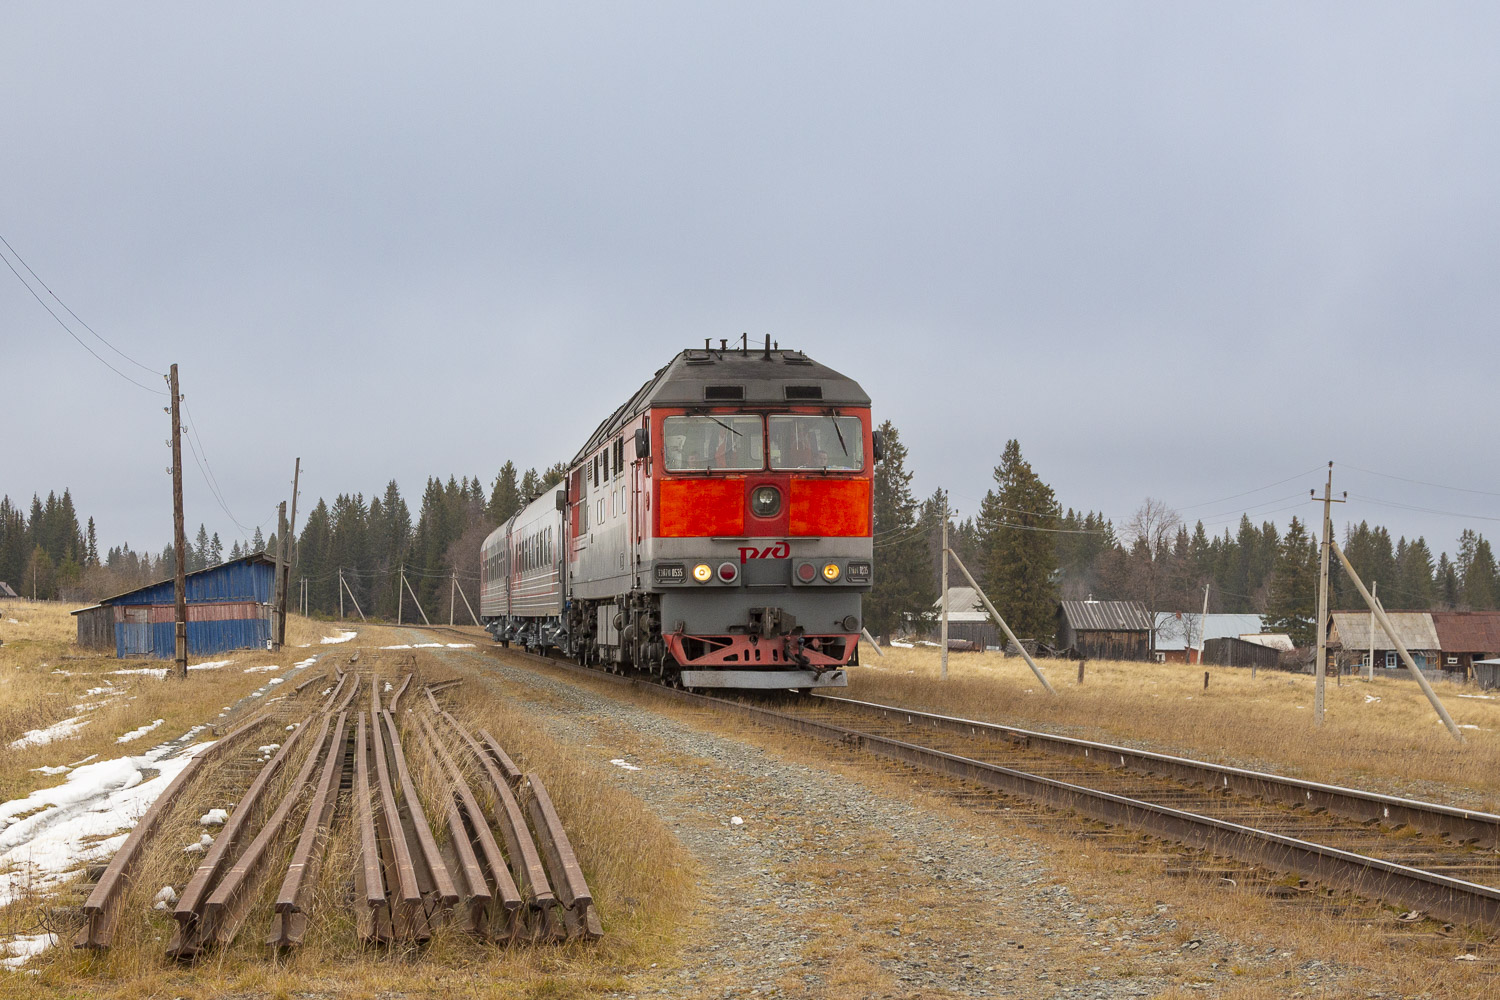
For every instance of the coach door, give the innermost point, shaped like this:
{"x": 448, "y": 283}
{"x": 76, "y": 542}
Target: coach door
{"x": 136, "y": 632}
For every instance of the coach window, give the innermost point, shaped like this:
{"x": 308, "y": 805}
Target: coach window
{"x": 816, "y": 442}
{"x": 710, "y": 443}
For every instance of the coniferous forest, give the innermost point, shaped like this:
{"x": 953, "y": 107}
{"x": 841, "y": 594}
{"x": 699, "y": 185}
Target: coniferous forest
{"x": 1023, "y": 546}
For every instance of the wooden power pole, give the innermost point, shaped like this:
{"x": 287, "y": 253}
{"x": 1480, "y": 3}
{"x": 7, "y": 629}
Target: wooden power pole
{"x": 179, "y": 533}
{"x": 278, "y": 598}
{"x": 286, "y": 558}
{"x": 943, "y": 640}
{"x": 1323, "y": 556}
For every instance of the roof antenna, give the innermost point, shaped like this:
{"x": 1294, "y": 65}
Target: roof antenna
{"x": 744, "y": 345}
{"x": 768, "y": 347}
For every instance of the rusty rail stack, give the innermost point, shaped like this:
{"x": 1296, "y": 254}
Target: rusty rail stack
{"x": 522, "y": 885}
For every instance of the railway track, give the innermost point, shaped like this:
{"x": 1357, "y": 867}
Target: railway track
{"x": 351, "y": 746}
{"x": 1424, "y": 857}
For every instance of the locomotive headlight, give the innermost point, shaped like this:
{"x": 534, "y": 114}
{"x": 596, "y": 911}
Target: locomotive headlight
{"x": 831, "y": 572}
{"x": 703, "y": 573}
{"x": 765, "y": 501}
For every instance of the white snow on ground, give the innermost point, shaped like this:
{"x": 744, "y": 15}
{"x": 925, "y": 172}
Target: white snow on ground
{"x": 24, "y": 946}
{"x": 261, "y": 670}
{"x": 53, "y": 833}
{"x": 305, "y": 663}
{"x": 48, "y": 769}
{"x": 402, "y": 646}
{"x": 1481, "y": 697}
{"x": 209, "y": 665}
{"x": 427, "y": 645}
{"x": 158, "y": 672}
{"x": 903, "y": 645}
{"x": 329, "y": 640}
{"x": 57, "y": 731}
{"x": 617, "y": 762}
{"x": 214, "y": 817}
{"x": 460, "y": 645}
{"x": 136, "y": 734}
{"x": 275, "y": 680}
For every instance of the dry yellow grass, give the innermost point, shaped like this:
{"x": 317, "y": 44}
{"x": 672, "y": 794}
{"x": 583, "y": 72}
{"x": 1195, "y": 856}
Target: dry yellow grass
{"x": 1382, "y": 734}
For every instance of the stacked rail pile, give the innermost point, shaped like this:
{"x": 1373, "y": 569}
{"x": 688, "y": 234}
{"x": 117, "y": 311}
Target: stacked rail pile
{"x": 415, "y": 869}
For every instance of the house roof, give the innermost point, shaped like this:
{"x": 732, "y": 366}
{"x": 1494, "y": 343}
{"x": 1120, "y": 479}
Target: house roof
{"x": 1468, "y": 631}
{"x": 1107, "y": 616}
{"x": 963, "y": 605}
{"x": 5, "y": 590}
{"x": 1413, "y": 628}
{"x": 1274, "y": 640}
{"x": 1173, "y": 628}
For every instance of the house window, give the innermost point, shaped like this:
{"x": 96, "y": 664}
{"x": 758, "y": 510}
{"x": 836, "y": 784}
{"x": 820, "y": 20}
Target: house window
{"x": 1390, "y": 659}
{"x": 1452, "y": 661}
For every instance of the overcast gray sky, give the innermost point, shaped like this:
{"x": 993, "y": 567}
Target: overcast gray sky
{"x": 1177, "y": 250}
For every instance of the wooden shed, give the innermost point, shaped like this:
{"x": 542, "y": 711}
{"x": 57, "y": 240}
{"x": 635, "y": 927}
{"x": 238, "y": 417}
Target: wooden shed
{"x": 6, "y": 594}
{"x": 228, "y": 607}
{"x": 1232, "y": 651}
{"x": 1105, "y": 630}
{"x": 96, "y": 627}
{"x": 1467, "y": 637}
{"x": 968, "y": 621}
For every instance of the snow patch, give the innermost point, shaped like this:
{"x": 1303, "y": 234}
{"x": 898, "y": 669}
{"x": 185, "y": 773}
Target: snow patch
{"x": 388, "y": 686}
{"x": 214, "y": 817}
{"x": 1481, "y": 697}
{"x": 53, "y": 833}
{"x": 305, "y": 663}
{"x": 57, "y": 731}
{"x": 331, "y": 640}
{"x": 427, "y": 645}
{"x": 24, "y": 946}
{"x": 403, "y": 646}
{"x": 736, "y": 821}
{"x": 47, "y": 769}
{"x": 261, "y": 670}
{"x": 460, "y": 645}
{"x": 159, "y": 673}
{"x": 166, "y": 895}
{"x": 136, "y": 734}
{"x": 902, "y": 645}
{"x": 209, "y": 665}
{"x": 276, "y": 680}
{"x": 617, "y": 762}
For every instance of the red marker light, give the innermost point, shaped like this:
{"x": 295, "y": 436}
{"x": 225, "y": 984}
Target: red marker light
{"x": 728, "y": 572}
{"x": 807, "y": 572}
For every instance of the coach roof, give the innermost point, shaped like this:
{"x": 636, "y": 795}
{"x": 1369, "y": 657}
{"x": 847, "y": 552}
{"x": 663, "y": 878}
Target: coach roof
{"x": 735, "y": 377}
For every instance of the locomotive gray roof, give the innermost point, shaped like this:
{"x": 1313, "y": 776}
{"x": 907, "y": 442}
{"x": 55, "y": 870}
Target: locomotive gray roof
{"x": 710, "y": 377}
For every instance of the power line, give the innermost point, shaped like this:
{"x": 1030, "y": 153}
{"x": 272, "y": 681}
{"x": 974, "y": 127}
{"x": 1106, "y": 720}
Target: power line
{"x": 1260, "y": 489}
{"x": 1421, "y": 482}
{"x": 60, "y": 302}
{"x": 1424, "y": 510}
{"x": 209, "y": 477}
{"x": 69, "y": 330}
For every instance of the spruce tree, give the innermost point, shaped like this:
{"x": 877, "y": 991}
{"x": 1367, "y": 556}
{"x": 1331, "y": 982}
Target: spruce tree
{"x": 215, "y": 550}
{"x": 197, "y": 556}
{"x": 505, "y": 498}
{"x": 257, "y": 541}
{"x": 1481, "y": 583}
{"x": 92, "y": 556}
{"x": 1292, "y": 604}
{"x": 1019, "y": 549}
{"x": 902, "y": 562}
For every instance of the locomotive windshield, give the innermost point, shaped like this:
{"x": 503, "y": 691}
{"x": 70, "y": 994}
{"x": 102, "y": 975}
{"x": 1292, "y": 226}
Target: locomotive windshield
{"x": 814, "y": 442}
{"x": 705, "y": 444}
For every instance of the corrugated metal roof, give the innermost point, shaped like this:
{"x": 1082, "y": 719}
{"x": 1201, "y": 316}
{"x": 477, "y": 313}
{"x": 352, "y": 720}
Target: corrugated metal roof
{"x": 1413, "y": 628}
{"x": 1468, "y": 631}
{"x": 963, "y": 605}
{"x": 1107, "y": 616}
{"x": 1173, "y": 627}
{"x": 1274, "y": 640}
{"x": 228, "y": 581}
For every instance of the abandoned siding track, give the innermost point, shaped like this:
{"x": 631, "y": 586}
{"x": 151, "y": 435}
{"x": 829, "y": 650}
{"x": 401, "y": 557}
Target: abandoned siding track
{"x": 410, "y": 875}
{"x": 1425, "y": 856}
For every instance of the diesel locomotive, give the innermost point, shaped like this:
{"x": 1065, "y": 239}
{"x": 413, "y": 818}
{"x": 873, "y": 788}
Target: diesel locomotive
{"x": 715, "y": 531}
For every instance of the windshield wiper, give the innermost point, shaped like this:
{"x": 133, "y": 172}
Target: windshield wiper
{"x": 724, "y": 425}
{"x": 841, "y": 437}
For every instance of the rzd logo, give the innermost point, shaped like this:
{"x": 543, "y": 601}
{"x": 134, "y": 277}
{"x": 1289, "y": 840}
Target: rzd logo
{"x": 778, "y": 551}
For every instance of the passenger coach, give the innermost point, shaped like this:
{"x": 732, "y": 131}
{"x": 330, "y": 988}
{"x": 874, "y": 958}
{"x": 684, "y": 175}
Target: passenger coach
{"x": 714, "y": 531}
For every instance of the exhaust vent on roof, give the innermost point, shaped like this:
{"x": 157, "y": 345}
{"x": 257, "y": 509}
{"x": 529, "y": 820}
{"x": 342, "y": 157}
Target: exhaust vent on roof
{"x": 796, "y": 358}
{"x": 723, "y": 393}
{"x": 698, "y": 358}
{"x": 804, "y": 392}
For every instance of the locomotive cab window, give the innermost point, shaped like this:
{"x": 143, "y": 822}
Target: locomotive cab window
{"x": 816, "y": 442}
{"x": 706, "y": 444}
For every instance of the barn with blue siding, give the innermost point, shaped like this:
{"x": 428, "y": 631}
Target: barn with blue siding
{"x": 228, "y": 607}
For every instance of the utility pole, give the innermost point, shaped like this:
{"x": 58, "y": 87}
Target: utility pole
{"x": 286, "y": 548}
{"x": 179, "y": 540}
{"x": 278, "y": 599}
{"x": 400, "y": 593}
{"x": 346, "y": 586}
{"x": 452, "y": 596}
{"x": 1375, "y": 596}
{"x": 944, "y": 641}
{"x": 341, "y": 593}
{"x": 1203, "y": 626}
{"x": 1323, "y": 554}
{"x": 1001, "y": 622}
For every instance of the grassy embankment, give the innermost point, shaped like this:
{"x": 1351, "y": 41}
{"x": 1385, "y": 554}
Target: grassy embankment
{"x": 1381, "y": 734}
